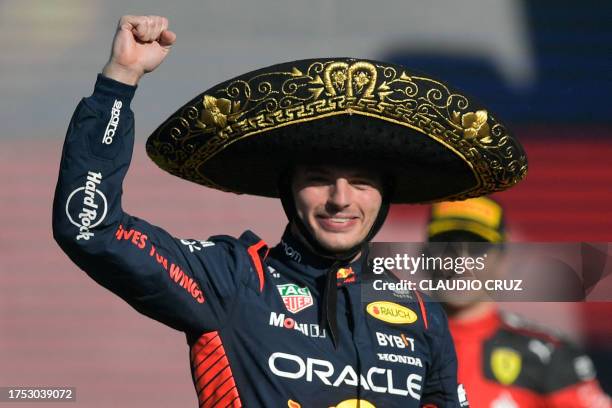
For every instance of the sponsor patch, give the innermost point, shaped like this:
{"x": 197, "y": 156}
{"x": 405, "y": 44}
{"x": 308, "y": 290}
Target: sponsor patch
{"x": 345, "y": 275}
{"x": 194, "y": 245}
{"x": 403, "y": 294}
{"x": 295, "y": 298}
{"x": 506, "y": 365}
{"x": 543, "y": 351}
{"x": 176, "y": 274}
{"x": 391, "y": 340}
{"x": 307, "y": 329}
{"x": 86, "y": 206}
{"x": 398, "y": 358}
{"x": 113, "y": 122}
{"x": 391, "y": 312}
{"x": 290, "y": 252}
{"x": 354, "y": 403}
{"x": 462, "y": 396}
{"x": 273, "y": 272}
{"x": 504, "y": 400}
{"x": 323, "y": 372}
{"x": 584, "y": 368}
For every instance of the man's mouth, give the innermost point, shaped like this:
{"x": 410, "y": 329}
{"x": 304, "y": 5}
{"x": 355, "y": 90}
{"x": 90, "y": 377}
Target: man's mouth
{"x": 337, "y": 223}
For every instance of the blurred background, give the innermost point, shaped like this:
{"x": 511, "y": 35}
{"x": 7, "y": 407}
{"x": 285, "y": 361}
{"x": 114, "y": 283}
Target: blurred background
{"x": 543, "y": 66}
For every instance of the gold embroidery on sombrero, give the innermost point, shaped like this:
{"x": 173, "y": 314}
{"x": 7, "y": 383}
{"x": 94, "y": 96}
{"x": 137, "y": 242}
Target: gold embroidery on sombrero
{"x": 215, "y": 112}
{"x": 474, "y": 125}
{"x": 317, "y": 89}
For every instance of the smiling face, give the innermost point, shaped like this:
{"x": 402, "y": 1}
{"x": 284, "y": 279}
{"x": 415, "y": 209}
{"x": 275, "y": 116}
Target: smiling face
{"x": 338, "y": 205}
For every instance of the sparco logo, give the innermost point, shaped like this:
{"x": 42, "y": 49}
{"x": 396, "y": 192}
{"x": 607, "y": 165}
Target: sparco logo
{"x": 86, "y": 206}
{"x": 376, "y": 379}
{"x": 111, "y": 127}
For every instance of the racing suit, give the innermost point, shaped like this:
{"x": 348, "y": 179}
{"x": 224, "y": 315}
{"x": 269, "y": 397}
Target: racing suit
{"x": 250, "y": 314}
{"x": 506, "y": 362}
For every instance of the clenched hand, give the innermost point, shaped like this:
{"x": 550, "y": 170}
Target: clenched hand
{"x": 141, "y": 43}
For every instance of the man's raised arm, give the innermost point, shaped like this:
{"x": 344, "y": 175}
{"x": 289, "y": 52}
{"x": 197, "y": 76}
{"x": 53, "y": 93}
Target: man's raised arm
{"x": 161, "y": 276}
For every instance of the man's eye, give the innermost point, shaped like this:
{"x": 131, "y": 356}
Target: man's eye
{"x": 362, "y": 183}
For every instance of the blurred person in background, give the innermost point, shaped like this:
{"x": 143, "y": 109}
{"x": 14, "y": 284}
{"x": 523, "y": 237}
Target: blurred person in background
{"x": 283, "y": 326}
{"x": 505, "y": 361}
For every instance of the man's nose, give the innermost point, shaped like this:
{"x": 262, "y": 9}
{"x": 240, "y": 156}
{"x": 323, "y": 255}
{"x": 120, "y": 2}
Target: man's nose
{"x": 340, "y": 194}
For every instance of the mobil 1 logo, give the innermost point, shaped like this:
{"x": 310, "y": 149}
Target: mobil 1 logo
{"x": 86, "y": 206}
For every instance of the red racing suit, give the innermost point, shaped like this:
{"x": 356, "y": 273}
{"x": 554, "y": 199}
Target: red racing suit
{"x": 505, "y": 362}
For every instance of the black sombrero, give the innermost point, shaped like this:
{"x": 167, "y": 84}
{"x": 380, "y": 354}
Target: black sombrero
{"x": 436, "y": 143}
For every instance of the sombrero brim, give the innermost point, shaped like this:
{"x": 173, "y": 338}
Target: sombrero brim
{"x": 240, "y": 136}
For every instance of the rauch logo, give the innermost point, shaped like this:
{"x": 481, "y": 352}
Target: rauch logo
{"x": 391, "y": 312}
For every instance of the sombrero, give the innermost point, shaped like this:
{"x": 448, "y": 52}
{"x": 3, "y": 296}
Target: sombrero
{"x": 434, "y": 142}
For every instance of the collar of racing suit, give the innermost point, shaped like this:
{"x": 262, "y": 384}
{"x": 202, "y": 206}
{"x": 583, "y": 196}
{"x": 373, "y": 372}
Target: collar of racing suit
{"x": 322, "y": 275}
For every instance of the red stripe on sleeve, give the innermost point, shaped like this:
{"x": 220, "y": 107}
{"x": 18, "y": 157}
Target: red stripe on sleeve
{"x": 222, "y": 388}
{"x": 423, "y": 309}
{"x": 204, "y": 340}
{"x": 254, "y": 253}
{"x": 212, "y": 374}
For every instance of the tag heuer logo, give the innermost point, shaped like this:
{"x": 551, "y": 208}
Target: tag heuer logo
{"x": 296, "y": 299}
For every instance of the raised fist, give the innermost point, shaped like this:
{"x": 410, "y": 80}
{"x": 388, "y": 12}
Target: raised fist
{"x": 141, "y": 43}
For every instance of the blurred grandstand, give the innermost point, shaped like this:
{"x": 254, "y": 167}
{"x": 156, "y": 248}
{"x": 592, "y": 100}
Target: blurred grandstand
{"x": 543, "y": 66}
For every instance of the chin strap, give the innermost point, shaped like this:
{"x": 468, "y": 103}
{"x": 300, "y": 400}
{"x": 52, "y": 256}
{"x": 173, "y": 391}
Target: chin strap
{"x": 329, "y": 315}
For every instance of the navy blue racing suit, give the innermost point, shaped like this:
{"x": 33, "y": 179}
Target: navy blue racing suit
{"x": 250, "y": 314}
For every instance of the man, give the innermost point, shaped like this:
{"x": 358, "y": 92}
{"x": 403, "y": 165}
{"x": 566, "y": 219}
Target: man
{"x": 337, "y": 140}
{"x": 503, "y": 360}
